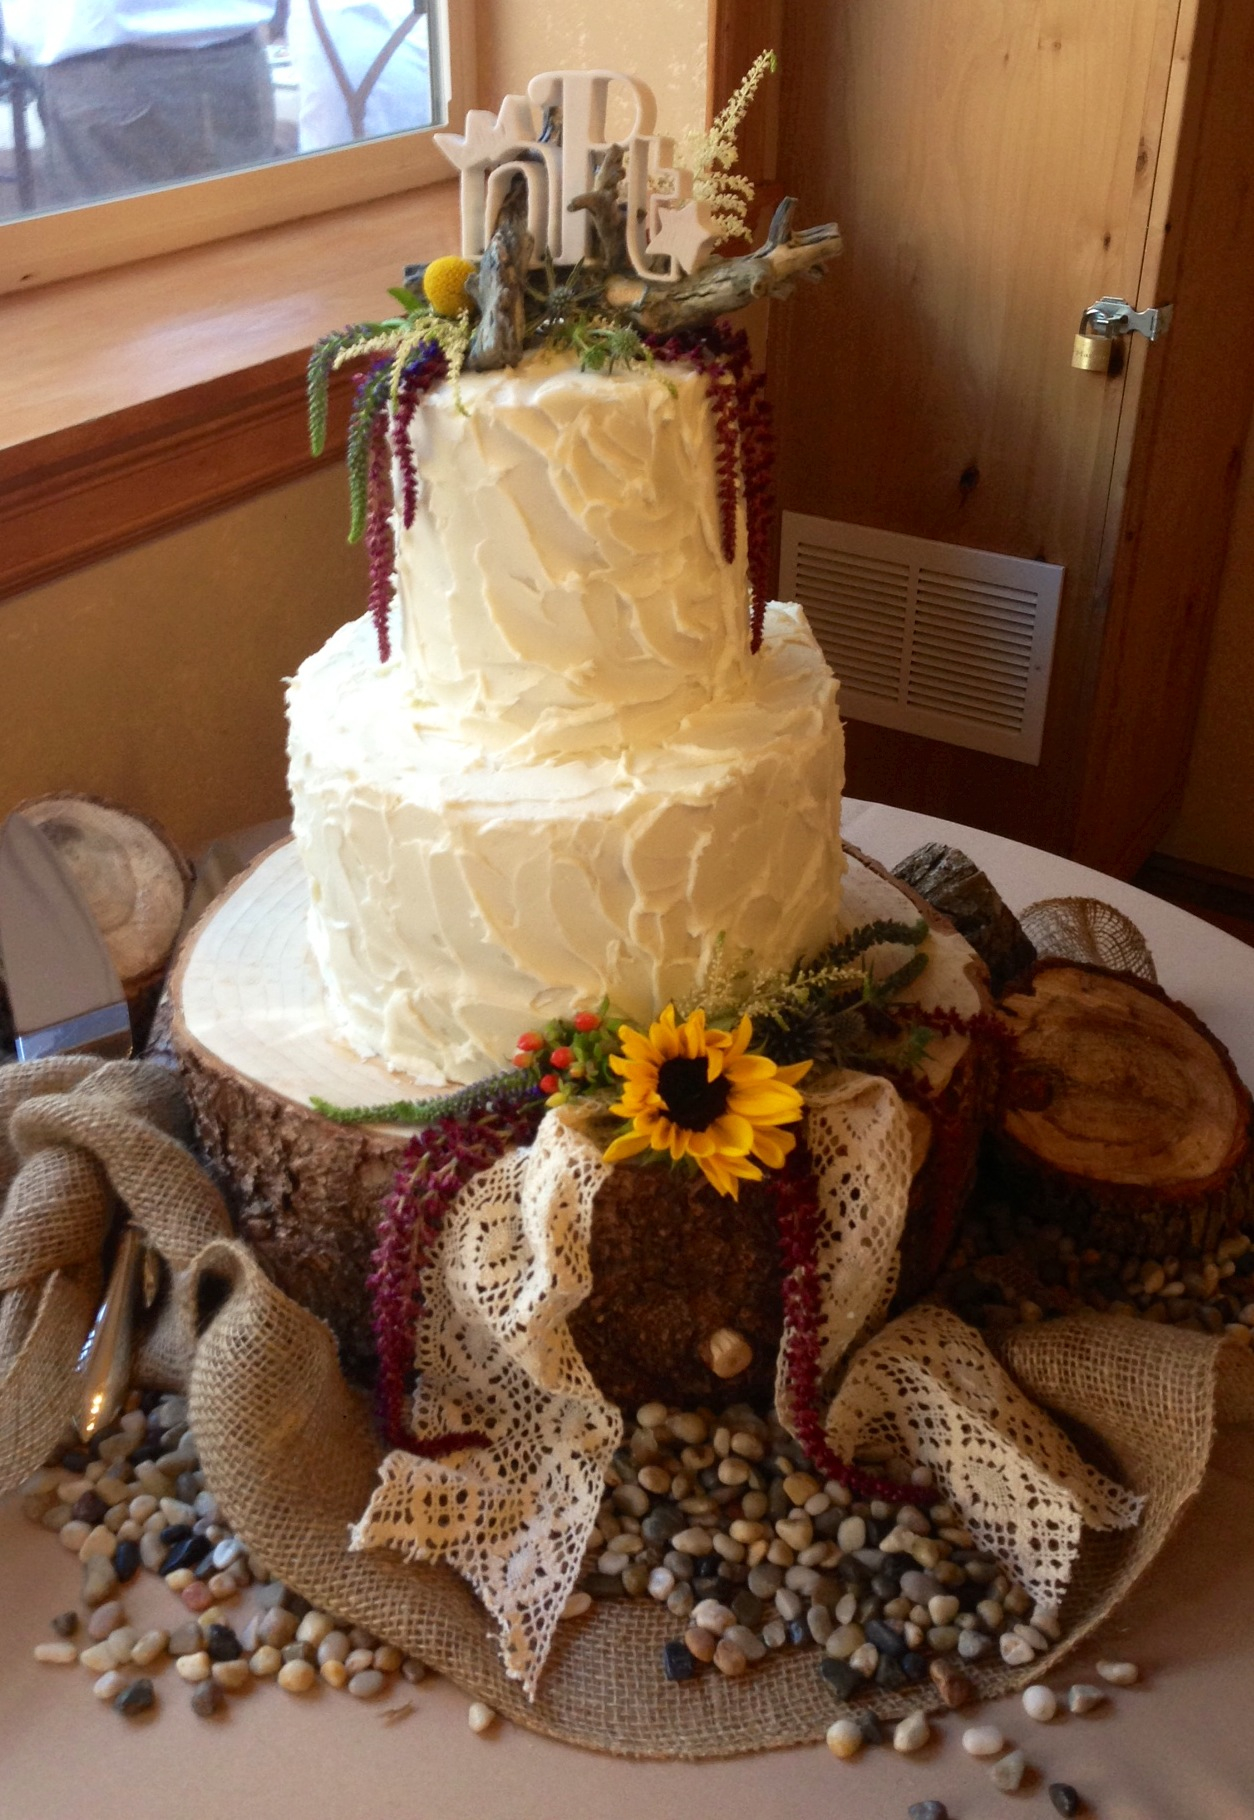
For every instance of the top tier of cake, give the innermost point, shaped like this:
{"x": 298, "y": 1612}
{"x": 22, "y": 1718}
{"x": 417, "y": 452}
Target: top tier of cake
{"x": 561, "y": 587}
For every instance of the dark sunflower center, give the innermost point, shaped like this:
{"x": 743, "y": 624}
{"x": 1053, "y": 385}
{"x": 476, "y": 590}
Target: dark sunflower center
{"x": 691, "y": 1098}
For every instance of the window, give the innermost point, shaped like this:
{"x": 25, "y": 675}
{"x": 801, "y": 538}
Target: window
{"x": 132, "y": 127}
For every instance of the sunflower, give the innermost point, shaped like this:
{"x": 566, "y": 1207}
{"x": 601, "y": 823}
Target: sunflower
{"x": 699, "y": 1093}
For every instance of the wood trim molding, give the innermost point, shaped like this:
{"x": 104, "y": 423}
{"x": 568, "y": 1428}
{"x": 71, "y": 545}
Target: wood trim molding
{"x": 76, "y": 497}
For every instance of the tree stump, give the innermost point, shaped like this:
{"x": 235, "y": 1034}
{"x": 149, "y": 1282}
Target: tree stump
{"x": 136, "y": 884}
{"x": 1141, "y": 1144}
{"x": 675, "y": 1266}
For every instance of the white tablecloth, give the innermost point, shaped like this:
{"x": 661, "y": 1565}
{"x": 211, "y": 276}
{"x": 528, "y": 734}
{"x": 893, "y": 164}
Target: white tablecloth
{"x": 1178, "y": 1747}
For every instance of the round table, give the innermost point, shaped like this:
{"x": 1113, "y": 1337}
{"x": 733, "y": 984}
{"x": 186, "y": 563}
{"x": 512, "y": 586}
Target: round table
{"x": 1177, "y": 1747}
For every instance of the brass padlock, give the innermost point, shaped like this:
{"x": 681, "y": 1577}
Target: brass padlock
{"x": 1109, "y": 320}
{"x": 1091, "y": 353}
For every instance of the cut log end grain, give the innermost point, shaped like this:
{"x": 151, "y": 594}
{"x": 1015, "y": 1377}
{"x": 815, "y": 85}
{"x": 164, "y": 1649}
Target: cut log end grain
{"x": 1144, "y": 1138}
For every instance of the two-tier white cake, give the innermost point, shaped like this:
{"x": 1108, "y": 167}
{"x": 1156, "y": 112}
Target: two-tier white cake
{"x": 575, "y": 778}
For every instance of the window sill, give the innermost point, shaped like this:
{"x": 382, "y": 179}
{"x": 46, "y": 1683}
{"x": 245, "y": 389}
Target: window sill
{"x": 141, "y": 398}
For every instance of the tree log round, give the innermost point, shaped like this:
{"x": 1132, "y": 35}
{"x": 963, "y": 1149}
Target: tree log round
{"x": 135, "y": 881}
{"x": 675, "y": 1266}
{"x": 1142, "y": 1145}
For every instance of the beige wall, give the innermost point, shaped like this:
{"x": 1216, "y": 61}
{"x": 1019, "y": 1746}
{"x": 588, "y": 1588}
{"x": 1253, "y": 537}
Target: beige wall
{"x": 1215, "y": 826}
{"x": 661, "y": 41}
{"x": 156, "y": 677}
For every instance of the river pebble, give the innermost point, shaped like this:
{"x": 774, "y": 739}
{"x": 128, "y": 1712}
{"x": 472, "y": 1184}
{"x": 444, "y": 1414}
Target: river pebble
{"x": 983, "y": 1741}
{"x": 1083, "y": 1697}
{"x": 911, "y": 1733}
{"x": 138, "y": 1698}
{"x": 1119, "y": 1674}
{"x": 1064, "y": 1799}
{"x": 297, "y": 1677}
{"x": 927, "y": 1810}
{"x": 61, "y": 1653}
{"x": 844, "y": 1738}
{"x": 1008, "y": 1772}
{"x": 1040, "y": 1703}
{"x": 480, "y": 1718}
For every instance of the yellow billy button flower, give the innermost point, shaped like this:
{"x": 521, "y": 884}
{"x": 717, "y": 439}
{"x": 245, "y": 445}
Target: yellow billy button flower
{"x": 699, "y": 1093}
{"x": 444, "y": 284}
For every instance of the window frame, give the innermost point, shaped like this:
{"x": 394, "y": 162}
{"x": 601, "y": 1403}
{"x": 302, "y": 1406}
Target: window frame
{"x": 44, "y": 249}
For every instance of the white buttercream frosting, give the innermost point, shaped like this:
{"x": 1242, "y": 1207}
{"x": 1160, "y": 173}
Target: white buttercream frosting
{"x": 562, "y": 586}
{"x": 574, "y": 778}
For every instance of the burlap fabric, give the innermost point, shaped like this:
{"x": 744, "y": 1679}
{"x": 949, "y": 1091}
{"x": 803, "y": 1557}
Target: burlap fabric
{"x": 288, "y": 1446}
{"x": 78, "y": 1137}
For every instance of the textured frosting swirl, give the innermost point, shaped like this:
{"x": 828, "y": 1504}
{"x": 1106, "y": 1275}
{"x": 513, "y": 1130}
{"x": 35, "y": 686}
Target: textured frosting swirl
{"x": 460, "y": 895}
{"x": 562, "y": 587}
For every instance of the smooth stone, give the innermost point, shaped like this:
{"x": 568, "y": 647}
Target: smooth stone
{"x": 695, "y": 1542}
{"x": 747, "y": 1641}
{"x": 208, "y": 1699}
{"x": 1083, "y": 1697}
{"x": 65, "y": 1623}
{"x": 870, "y": 1727}
{"x": 972, "y": 1645}
{"x": 233, "y": 1674}
{"x": 729, "y": 1658}
{"x": 890, "y": 1673}
{"x": 950, "y": 1683}
{"x": 186, "y": 1639}
{"x": 712, "y": 1615}
{"x": 265, "y": 1661}
{"x": 1016, "y": 1652}
{"x": 913, "y": 1665}
{"x": 942, "y": 1608}
{"x": 678, "y": 1661}
{"x": 851, "y": 1535}
{"x": 152, "y": 1551}
{"x": 865, "y": 1659}
{"x": 765, "y": 1579}
{"x": 789, "y": 1604}
{"x": 126, "y": 1559}
{"x": 701, "y": 1644}
{"x": 196, "y": 1667}
{"x": 775, "y": 1633}
{"x": 121, "y": 1642}
{"x": 222, "y": 1644}
{"x": 844, "y": 1738}
{"x": 1064, "y": 1799}
{"x": 819, "y": 1623}
{"x": 62, "y": 1653}
{"x": 138, "y": 1698}
{"x": 1040, "y": 1703}
{"x": 150, "y": 1645}
{"x": 98, "y": 1657}
{"x": 297, "y": 1677}
{"x": 927, "y": 1810}
{"x": 943, "y": 1637}
{"x": 919, "y": 1587}
{"x": 1007, "y": 1773}
{"x": 104, "y": 1619}
{"x": 277, "y": 1627}
{"x": 99, "y": 1579}
{"x": 983, "y": 1741}
{"x": 886, "y": 1640}
{"x": 844, "y": 1640}
{"x": 1119, "y": 1674}
{"x": 912, "y": 1733}
{"x": 110, "y": 1685}
{"x": 843, "y": 1681}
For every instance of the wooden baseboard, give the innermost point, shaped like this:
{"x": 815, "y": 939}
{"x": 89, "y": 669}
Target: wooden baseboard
{"x": 1223, "y": 898}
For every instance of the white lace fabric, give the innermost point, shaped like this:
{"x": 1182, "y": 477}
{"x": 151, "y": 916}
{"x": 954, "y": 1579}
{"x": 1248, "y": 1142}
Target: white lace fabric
{"x": 495, "y": 1355}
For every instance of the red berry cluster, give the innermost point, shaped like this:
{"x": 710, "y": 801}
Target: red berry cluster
{"x": 796, "y": 1196}
{"x": 571, "y": 1055}
{"x": 745, "y": 464}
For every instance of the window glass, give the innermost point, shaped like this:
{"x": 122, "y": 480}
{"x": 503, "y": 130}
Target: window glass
{"x": 109, "y": 98}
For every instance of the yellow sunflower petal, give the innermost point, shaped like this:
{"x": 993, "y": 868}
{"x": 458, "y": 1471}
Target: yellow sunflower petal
{"x": 772, "y": 1147}
{"x": 740, "y": 1038}
{"x": 795, "y": 1071}
{"x": 752, "y": 1068}
{"x": 630, "y": 1144}
{"x": 734, "y": 1134}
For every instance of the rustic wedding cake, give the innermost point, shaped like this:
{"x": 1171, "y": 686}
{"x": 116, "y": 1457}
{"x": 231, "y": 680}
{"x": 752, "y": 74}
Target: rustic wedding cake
{"x": 573, "y": 778}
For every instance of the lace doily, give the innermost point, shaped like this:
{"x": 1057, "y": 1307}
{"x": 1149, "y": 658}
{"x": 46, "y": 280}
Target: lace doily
{"x": 496, "y": 1356}
{"x": 928, "y": 1385}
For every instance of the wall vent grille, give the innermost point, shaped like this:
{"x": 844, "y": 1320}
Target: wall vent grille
{"x": 929, "y": 638}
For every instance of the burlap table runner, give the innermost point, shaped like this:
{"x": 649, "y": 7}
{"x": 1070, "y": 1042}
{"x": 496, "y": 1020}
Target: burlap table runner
{"x": 289, "y": 1451}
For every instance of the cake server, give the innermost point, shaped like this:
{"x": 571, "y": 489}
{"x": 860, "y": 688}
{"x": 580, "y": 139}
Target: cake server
{"x": 63, "y": 988}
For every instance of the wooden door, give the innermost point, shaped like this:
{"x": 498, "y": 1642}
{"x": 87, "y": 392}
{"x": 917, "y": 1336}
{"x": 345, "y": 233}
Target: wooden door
{"x": 995, "y": 165}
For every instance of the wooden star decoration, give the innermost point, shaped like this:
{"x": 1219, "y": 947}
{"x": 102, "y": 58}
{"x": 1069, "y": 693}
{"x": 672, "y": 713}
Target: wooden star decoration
{"x": 683, "y": 234}
{"x": 489, "y": 139}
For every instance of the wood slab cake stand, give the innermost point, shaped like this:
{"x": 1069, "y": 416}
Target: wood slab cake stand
{"x": 251, "y": 1032}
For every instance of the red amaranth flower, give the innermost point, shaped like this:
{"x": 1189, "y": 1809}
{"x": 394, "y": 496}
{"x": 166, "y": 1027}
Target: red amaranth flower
{"x": 438, "y": 1162}
{"x": 796, "y": 1196}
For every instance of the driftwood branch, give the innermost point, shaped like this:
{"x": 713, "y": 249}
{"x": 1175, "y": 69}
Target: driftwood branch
{"x": 608, "y": 218}
{"x": 500, "y": 284}
{"x": 729, "y": 284}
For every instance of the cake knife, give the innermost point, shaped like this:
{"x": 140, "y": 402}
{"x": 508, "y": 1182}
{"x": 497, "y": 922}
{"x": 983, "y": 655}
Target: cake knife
{"x": 64, "y": 991}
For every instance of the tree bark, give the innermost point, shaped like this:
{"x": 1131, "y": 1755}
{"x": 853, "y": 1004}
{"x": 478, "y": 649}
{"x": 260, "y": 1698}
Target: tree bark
{"x": 502, "y": 281}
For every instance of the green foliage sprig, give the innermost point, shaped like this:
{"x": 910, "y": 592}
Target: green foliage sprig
{"x": 512, "y": 1084}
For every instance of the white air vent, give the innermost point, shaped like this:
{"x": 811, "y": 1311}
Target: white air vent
{"x": 928, "y": 637}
